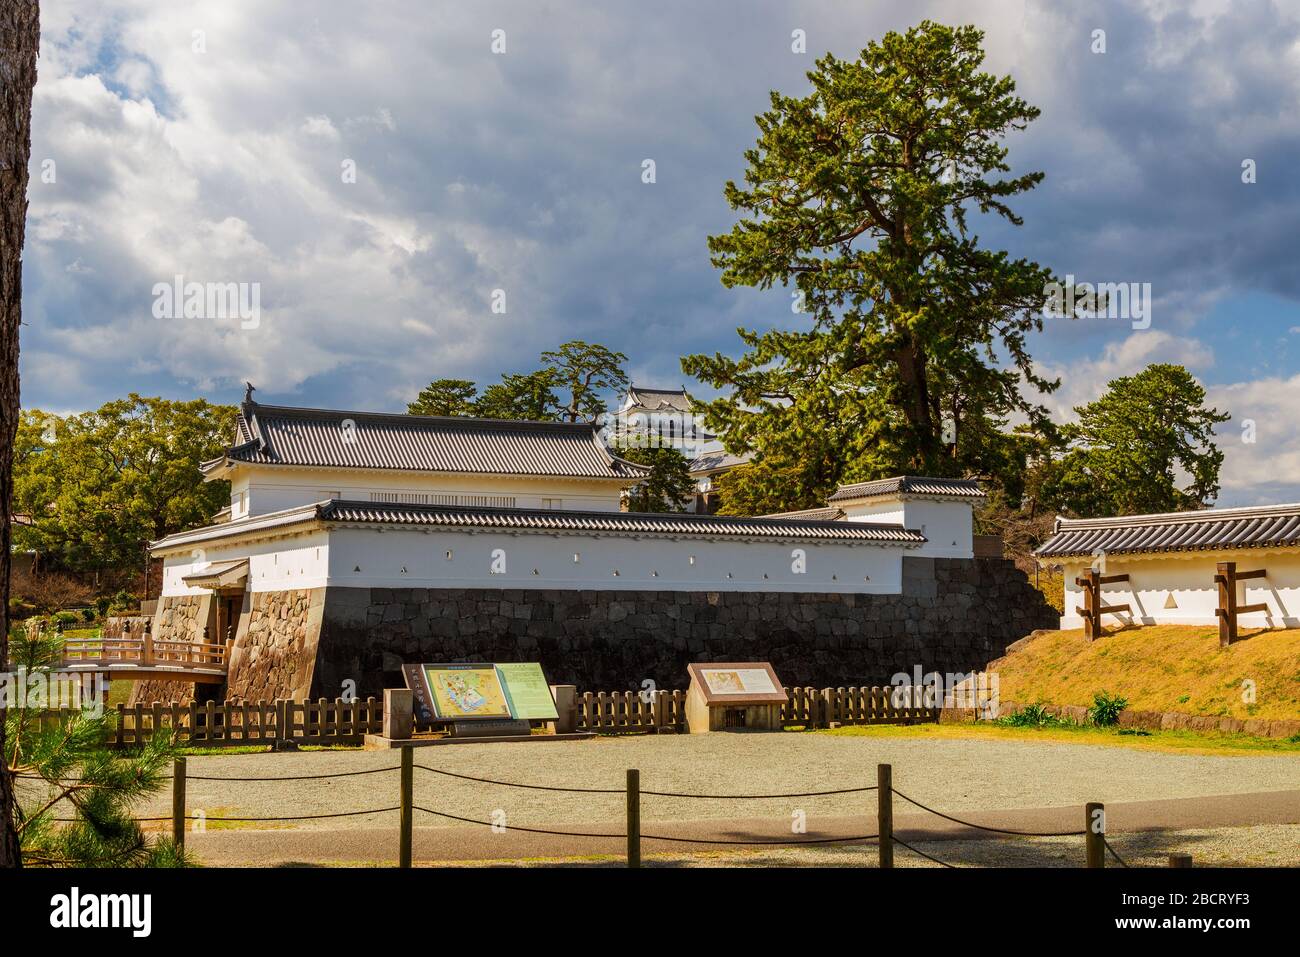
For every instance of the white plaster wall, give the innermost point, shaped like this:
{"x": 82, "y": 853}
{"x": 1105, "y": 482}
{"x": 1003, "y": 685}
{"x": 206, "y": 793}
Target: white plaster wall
{"x": 947, "y": 526}
{"x": 299, "y": 561}
{"x": 415, "y": 558}
{"x": 273, "y": 489}
{"x": 1190, "y": 580}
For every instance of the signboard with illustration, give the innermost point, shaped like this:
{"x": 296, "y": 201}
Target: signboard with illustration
{"x": 460, "y": 692}
{"x": 737, "y": 682}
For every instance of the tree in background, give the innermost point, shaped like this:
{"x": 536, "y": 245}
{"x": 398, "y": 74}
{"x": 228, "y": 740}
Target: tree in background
{"x": 859, "y": 195}
{"x": 20, "y": 36}
{"x": 1147, "y": 445}
{"x": 99, "y": 486}
{"x": 668, "y": 488}
{"x": 583, "y": 373}
{"x": 528, "y": 396}
{"x": 587, "y": 372}
{"x": 445, "y": 397}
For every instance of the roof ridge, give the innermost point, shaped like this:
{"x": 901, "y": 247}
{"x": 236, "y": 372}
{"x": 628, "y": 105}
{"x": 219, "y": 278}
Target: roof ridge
{"x": 1194, "y": 515}
{"x": 408, "y": 417}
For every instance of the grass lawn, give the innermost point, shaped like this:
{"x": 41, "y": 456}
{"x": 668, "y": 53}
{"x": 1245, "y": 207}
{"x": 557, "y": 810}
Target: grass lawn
{"x": 1159, "y": 668}
{"x": 1172, "y": 742}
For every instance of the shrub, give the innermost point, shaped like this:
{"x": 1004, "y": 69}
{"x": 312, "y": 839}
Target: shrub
{"x": 1106, "y": 708}
{"x": 1030, "y": 716}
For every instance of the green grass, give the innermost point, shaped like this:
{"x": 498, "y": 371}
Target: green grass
{"x": 1185, "y": 742}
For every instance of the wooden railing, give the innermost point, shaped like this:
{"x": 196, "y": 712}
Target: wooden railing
{"x": 216, "y": 724}
{"x": 146, "y": 652}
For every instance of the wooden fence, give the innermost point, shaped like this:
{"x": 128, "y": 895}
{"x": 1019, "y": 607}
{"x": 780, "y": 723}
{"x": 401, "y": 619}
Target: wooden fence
{"x": 633, "y": 712}
{"x": 234, "y": 723}
{"x": 324, "y": 722}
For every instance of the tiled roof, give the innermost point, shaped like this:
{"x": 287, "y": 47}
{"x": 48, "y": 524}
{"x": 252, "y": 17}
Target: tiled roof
{"x": 658, "y": 399}
{"x": 654, "y": 523}
{"x": 1209, "y": 530}
{"x": 910, "y": 485}
{"x": 279, "y": 435}
{"x": 713, "y": 461}
{"x": 824, "y": 514}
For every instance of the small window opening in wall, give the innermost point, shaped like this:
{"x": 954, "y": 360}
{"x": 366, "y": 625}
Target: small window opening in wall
{"x": 449, "y": 554}
{"x": 835, "y": 578}
{"x": 535, "y": 571}
{"x": 764, "y": 574}
{"x": 692, "y": 559}
{"x": 577, "y": 557}
{"x": 729, "y": 575}
{"x": 615, "y": 572}
{"x": 655, "y": 573}
{"x": 357, "y": 569}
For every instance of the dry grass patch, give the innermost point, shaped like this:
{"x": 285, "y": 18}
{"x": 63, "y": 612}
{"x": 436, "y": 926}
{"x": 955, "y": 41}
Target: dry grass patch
{"x": 1159, "y": 668}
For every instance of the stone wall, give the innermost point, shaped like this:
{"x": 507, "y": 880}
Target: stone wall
{"x": 181, "y": 618}
{"x": 177, "y": 618}
{"x": 275, "y": 654}
{"x": 953, "y": 615}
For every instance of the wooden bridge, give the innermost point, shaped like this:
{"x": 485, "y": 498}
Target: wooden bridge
{"x": 136, "y": 659}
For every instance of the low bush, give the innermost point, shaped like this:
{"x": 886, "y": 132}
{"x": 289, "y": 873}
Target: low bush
{"x": 1106, "y": 708}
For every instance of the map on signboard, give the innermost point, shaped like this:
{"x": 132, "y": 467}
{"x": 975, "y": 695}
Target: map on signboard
{"x": 470, "y": 692}
{"x": 738, "y": 681}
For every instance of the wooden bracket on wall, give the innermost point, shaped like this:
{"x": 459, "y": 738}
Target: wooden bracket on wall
{"x": 1093, "y": 609}
{"x": 1226, "y": 578}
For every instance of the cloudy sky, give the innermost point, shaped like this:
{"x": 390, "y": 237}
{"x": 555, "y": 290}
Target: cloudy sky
{"x": 212, "y": 141}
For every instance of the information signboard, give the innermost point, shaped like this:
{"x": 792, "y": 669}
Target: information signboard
{"x": 460, "y": 692}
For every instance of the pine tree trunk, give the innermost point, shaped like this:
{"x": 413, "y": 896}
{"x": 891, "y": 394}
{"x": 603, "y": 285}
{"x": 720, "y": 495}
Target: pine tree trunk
{"x": 20, "y": 31}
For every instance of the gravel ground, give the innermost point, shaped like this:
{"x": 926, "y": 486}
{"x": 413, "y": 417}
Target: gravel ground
{"x": 952, "y": 774}
{"x": 1266, "y": 846}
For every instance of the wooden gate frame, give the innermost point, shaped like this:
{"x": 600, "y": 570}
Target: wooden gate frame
{"x": 1093, "y": 609}
{"x": 1226, "y": 577}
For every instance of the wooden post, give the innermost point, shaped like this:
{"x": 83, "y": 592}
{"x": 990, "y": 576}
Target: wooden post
{"x": 1180, "y": 860}
{"x": 1094, "y": 830}
{"x": 405, "y": 811}
{"x": 178, "y": 802}
{"x": 633, "y": 817}
{"x": 1226, "y": 578}
{"x": 146, "y": 650}
{"x": 885, "y": 813}
{"x": 1091, "y": 585}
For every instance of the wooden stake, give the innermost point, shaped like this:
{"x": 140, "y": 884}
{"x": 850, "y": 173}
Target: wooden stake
{"x": 1094, "y": 830}
{"x": 178, "y": 802}
{"x": 633, "y": 817}
{"x": 885, "y": 813}
{"x": 408, "y": 779}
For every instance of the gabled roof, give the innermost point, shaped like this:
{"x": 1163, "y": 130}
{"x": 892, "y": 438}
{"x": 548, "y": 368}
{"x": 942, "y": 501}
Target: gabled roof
{"x": 326, "y": 438}
{"x": 920, "y": 485}
{"x": 657, "y": 399}
{"x": 1207, "y": 530}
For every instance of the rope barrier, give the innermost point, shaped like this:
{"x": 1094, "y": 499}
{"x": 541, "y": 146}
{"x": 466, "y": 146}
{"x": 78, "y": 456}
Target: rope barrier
{"x": 1122, "y": 862}
{"x": 758, "y": 797}
{"x": 515, "y": 784}
{"x": 923, "y": 854}
{"x": 246, "y": 820}
{"x": 667, "y": 794}
{"x": 981, "y": 827}
{"x": 202, "y": 777}
{"x": 644, "y": 837}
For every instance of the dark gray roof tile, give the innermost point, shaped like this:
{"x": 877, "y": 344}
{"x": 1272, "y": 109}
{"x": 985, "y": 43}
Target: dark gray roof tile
{"x": 1210, "y": 529}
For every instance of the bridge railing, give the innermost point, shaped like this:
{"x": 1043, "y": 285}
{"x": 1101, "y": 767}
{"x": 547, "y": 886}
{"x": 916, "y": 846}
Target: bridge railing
{"x": 146, "y": 652}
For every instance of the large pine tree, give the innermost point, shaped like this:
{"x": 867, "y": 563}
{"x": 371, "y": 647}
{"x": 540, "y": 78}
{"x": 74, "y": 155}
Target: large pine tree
{"x": 863, "y": 196}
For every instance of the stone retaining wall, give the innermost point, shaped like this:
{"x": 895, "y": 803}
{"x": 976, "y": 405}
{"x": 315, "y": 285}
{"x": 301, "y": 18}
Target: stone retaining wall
{"x": 954, "y": 615}
{"x": 275, "y": 655}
